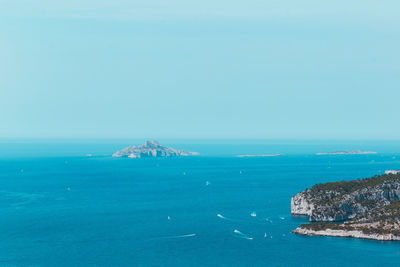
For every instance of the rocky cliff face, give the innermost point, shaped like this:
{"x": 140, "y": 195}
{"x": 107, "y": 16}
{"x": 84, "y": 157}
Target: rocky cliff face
{"x": 301, "y": 204}
{"x": 370, "y": 208}
{"x": 347, "y": 233}
{"x": 344, "y": 200}
{"x": 380, "y": 224}
{"x": 151, "y": 149}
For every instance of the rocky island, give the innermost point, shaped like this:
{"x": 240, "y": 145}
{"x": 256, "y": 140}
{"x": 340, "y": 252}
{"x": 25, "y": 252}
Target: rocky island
{"x": 367, "y": 208}
{"x": 151, "y": 149}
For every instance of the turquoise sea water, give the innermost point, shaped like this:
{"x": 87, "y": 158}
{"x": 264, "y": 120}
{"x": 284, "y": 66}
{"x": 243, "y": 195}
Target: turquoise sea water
{"x": 61, "y": 208}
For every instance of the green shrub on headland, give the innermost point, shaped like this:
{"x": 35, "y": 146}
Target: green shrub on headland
{"x": 347, "y": 187}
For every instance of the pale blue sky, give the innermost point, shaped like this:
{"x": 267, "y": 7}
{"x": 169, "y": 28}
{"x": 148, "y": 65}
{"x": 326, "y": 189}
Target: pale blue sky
{"x": 199, "y": 69}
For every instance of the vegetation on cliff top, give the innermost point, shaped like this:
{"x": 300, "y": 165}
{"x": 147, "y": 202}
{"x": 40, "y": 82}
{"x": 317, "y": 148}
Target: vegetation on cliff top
{"x": 346, "y": 187}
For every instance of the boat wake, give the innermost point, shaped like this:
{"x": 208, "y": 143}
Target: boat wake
{"x": 222, "y": 217}
{"x": 242, "y": 235}
{"x": 178, "y": 236}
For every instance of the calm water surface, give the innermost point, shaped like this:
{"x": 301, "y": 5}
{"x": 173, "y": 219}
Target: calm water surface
{"x": 61, "y": 208}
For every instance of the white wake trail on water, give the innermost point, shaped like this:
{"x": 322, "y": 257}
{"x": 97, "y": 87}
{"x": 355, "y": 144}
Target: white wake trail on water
{"x": 222, "y": 217}
{"x": 179, "y": 236}
{"x": 242, "y": 235}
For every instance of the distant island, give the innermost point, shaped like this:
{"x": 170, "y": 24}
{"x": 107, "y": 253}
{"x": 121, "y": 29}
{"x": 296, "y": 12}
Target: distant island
{"x": 367, "y": 208}
{"x": 250, "y": 156}
{"x": 151, "y": 149}
{"x": 347, "y": 152}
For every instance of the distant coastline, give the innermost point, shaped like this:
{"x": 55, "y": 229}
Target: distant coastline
{"x": 347, "y": 152}
{"x": 253, "y": 156}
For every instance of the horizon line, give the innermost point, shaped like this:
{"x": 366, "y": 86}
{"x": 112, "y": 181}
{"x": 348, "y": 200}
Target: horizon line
{"x": 193, "y": 139}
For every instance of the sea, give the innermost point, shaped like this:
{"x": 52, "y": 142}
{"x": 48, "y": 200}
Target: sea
{"x": 69, "y": 203}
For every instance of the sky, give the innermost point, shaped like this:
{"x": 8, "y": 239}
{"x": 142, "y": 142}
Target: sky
{"x": 251, "y": 69}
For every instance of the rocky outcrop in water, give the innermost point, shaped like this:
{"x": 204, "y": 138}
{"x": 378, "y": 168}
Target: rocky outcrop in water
{"x": 151, "y": 149}
{"x": 367, "y": 208}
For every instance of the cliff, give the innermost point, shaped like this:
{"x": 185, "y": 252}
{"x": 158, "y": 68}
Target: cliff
{"x": 367, "y": 208}
{"x": 151, "y": 149}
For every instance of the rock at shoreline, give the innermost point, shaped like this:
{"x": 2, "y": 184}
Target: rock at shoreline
{"x": 151, "y": 149}
{"x": 367, "y": 208}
